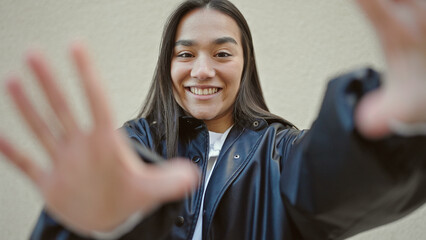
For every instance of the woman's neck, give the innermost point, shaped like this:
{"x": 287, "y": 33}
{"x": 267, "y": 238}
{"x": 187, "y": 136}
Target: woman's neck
{"x": 219, "y": 125}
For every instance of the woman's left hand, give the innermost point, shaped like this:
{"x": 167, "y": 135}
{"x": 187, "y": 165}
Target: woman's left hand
{"x": 401, "y": 29}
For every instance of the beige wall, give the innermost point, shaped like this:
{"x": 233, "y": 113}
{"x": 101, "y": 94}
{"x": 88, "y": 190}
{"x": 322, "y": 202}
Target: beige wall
{"x": 299, "y": 45}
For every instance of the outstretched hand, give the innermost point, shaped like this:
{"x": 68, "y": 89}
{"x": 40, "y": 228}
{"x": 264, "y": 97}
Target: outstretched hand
{"x": 95, "y": 181}
{"x": 401, "y": 101}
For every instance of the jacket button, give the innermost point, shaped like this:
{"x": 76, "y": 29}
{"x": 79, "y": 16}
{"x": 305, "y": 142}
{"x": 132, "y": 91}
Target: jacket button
{"x": 180, "y": 221}
{"x": 256, "y": 123}
{"x": 196, "y": 159}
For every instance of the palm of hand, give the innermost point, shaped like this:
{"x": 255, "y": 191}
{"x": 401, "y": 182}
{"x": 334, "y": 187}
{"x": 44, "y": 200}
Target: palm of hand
{"x": 102, "y": 164}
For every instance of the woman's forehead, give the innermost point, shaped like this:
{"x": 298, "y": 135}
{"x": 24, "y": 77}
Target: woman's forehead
{"x": 207, "y": 25}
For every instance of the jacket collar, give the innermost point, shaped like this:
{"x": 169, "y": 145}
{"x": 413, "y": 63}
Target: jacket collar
{"x": 188, "y": 123}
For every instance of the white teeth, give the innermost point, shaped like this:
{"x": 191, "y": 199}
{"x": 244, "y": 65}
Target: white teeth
{"x": 204, "y": 91}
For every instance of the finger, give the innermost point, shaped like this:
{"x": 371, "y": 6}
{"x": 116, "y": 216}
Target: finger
{"x": 94, "y": 90}
{"x": 54, "y": 95}
{"x": 22, "y": 162}
{"x": 378, "y": 11}
{"x": 31, "y": 117}
{"x": 170, "y": 181}
{"x": 371, "y": 116}
{"x": 391, "y": 21}
{"x": 417, "y": 5}
{"x": 418, "y": 8}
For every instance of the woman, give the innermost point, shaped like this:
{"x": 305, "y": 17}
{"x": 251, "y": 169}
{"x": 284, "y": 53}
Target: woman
{"x": 267, "y": 180}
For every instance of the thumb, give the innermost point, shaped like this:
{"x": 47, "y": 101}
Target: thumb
{"x": 371, "y": 116}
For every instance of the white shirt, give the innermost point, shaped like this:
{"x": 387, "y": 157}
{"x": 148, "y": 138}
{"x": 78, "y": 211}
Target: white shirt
{"x": 216, "y": 142}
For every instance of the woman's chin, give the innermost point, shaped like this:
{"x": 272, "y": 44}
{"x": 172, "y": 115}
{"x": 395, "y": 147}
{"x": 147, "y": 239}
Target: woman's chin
{"x": 211, "y": 114}
{"x": 205, "y": 116}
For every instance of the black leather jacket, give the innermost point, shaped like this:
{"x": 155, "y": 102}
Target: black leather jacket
{"x": 272, "y": 181}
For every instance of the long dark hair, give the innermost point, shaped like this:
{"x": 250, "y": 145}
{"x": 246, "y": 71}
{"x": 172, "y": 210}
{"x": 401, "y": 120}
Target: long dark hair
{"x": 160, "y": 105}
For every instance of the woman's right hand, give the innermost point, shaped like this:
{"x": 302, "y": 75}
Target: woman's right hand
{"x": 96, "y": 181}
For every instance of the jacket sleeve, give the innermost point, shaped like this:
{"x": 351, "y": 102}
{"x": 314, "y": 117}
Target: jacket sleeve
{"x": 155, "y": 226}
{"x": 335, "y": 183}
{"x": 49, "y": 229}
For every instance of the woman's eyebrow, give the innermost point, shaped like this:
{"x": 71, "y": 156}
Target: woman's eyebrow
{"x": 186, "y": 43}
{"x": 218, "y": 41}
{"x": 224, "y": 40}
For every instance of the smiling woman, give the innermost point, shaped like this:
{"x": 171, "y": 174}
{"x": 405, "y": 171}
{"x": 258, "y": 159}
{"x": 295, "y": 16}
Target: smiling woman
{"x": 261, "y": 177}
{"x": 207, "y": 67}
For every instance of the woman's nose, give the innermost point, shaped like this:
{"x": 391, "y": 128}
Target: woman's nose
{"x": 202, "y": 68}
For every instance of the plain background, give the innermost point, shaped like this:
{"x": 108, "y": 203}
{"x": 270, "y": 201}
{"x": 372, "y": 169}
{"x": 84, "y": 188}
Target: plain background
{"x": 299, "y": 46}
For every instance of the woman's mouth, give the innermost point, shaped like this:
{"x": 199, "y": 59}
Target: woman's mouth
{"x": 203, "y": 91}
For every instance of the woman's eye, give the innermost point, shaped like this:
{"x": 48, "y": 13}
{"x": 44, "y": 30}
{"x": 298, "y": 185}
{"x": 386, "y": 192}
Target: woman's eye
{"x": 223, "y": 54}
{"x": 185, "y": 55}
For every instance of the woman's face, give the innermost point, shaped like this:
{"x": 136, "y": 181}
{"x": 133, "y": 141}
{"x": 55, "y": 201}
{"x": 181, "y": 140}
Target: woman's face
{"x": 207, "y": 66}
